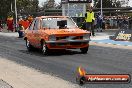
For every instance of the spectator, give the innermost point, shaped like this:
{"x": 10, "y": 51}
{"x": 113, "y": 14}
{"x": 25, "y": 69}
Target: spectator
{"x": 118, "y": 22}
{"x": 99, "y": 22}
{"x": 103, "y": 25}
{"x": 130, "y": 23}
{"x": 1, "y": 27}
{"x": 20, "y": 31}
{"x": 89, "y": 17}
{"x": 125, "y": 23}
{"x": 10, "y": 24}
{"x": 25, "y": 24}
{"x": 30, "y": 19}
{"x": 95, "y": 23}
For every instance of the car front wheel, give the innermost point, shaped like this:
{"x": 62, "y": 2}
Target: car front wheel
{"x": 28, "y": 45}
{"x": 44, "y": 48}
{"x": 84, "y": 50}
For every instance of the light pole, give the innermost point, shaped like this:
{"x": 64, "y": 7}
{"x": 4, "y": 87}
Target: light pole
{"x": 101, "y": 9}
{"x": 11, "y": 7}
{"x": 16, "y": 14}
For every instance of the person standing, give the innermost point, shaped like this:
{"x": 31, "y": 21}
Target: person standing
{"x": 10, "y": 23}
{"x": 1, "y": 27}
{"x": 130, "y": 23}
{"x": 25, "y": 23}
{"x": 30, "y": 19}
{"x": 20, "y": 31}
{"x": 125, "y": 23}
{"x": 99, "y": 22}
{"x": 89, "y": 18}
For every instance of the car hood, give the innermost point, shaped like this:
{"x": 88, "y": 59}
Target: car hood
{"x": 65, "y": 31}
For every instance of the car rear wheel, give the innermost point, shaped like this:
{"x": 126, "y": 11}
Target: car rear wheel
{"x": 28, "y": 45}
{"x": 44, "y": 49}
{"x": 84, "y": 50}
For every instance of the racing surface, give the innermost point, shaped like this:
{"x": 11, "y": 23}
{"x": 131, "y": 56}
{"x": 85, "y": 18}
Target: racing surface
{"x": 63, "y": 64}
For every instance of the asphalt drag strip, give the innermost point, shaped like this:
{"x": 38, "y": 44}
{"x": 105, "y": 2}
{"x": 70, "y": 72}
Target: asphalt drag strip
{"x": 100, "y": 59}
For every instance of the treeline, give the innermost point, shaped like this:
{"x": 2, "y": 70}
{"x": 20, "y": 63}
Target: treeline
{"x": 7, "y": 7}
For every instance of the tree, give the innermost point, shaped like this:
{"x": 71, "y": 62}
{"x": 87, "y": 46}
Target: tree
{"x": 107, "y": 3}
{"x": 49, "y": 4}
{"x": 124, "y": 3}
{"x": 5, "y": 8}
{"x": 27, "y": 6}
{"x": 23, "y": 6}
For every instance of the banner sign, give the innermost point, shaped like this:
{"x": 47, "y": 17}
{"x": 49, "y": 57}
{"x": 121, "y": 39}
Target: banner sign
{"x": 123, "y": 35}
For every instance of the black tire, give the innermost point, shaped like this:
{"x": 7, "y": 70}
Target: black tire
{"x": 84, "y": 50}
{"x": 29, "y": 46}
{"x": 44, "y": 48}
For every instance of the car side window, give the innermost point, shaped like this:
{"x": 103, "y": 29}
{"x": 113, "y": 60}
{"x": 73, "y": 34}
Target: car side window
{"x": 32, "y": 25}
{"x": 36, "y": 25}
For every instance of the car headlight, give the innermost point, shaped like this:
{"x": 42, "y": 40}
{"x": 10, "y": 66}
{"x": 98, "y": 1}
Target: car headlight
{"x": 52, "y": 38}
{"x": 86, "y": 36}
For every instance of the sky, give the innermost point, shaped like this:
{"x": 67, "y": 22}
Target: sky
{"x": 40, "y": 2}
{"x": 130, "y": 3}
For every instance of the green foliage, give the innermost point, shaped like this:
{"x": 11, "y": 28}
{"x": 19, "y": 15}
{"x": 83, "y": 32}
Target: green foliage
{"x": 27, "y": 6}
{"x": 107, "y": 3}
{"x": 49, "y": 4}
{"x": 23, "y": 6}
{"x": 4, "y": 8}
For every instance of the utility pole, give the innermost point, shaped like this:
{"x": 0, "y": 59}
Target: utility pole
{"x": 16, "y": 14}
{"x": 11, "y": 7}
{"x": 101, "y": 9}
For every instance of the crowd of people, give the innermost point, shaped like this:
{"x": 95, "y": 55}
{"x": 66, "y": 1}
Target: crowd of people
{"x": 97, "y": 22}
{"x": 21, "y": 25}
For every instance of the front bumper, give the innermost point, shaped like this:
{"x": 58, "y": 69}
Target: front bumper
{"x": 67, "y": 44}
{"x": 68, "y": 41}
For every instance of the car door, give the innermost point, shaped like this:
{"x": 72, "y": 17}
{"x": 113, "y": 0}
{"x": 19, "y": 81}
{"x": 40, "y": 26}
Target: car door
{"x": 36, "y": 29}
{"x": 30, "y": 34}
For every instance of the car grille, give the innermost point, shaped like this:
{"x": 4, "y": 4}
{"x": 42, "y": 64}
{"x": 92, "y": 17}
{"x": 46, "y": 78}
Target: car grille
{"x": 69, "y": 38}
{"x": 67, "y": 44}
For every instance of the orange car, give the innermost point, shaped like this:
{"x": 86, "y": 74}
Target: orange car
{"x": 56, "y": 32}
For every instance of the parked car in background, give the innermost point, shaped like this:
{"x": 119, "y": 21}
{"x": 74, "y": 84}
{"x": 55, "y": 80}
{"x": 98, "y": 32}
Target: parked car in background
{"x": 56, "y": 32}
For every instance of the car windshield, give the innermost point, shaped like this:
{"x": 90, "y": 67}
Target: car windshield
{"x": 56, "y": 23}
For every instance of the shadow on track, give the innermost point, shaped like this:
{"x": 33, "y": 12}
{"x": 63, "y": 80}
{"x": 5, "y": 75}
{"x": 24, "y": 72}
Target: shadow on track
{"x": 52, "y": 52}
